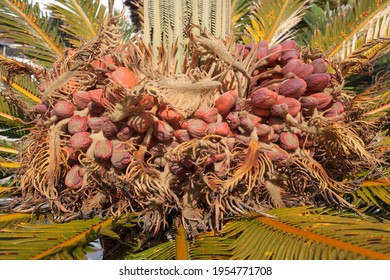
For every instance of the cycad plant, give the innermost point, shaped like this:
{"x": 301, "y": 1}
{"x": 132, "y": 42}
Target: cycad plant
{"x": 186, "y": 141}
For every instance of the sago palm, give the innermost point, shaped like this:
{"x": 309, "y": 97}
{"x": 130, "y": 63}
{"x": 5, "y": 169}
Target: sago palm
{"x": 211, "y": 134}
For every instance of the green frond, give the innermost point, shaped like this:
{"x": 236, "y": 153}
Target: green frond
{"x": 25, "y": 24}
{"x": 9, "y": 164}
{"x": 20, "y": 80}
{"x": 4, "y": 190}
{"x": 298, "y": 233}
{"x": 49, "y": 240}
{"x": 238, "y": 14}
{"x": 9, "y": 220}
{"x": 163, "y": 251}
{"x": 174, "y": 249}
{"x": 302, "y": 233}
{"x": 374, "y": 101}
{"x": 10, "y": 113}
{"x": 8, "y": 147}
{"x": 374, "y": 193}
{"x": 274, "y": 21}
{"x": 351, "y": 29}
{"x": 81, "y": 19}
{"x": 209, "y": 247}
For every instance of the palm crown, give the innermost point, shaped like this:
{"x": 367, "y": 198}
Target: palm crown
{"x": 355, "y": 40}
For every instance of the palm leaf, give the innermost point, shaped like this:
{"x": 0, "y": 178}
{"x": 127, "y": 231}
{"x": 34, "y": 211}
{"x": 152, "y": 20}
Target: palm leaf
{"x": 9, "y": 220}
{"x": 163, "y": 251}
{"x": 26, "y": 25}
{"x": 238, "y": 14}
{"x": 8, "y": 147}
{"x": 375, "y": 100}
{"x": 49, "y": 241}
{"x": 18, "y": 76}
{"x": 207, "y": 246}
{"x": 82, "y": 19}
{"x": 352, "y": 30}
{"x": 274, "y": 21}
{"x": 10, "y": 114}
{"x": 173, "y": 249}
{"x": 298, "y": 233}
{"x": 374, "y": 193}
{"x": 301, "y": 233}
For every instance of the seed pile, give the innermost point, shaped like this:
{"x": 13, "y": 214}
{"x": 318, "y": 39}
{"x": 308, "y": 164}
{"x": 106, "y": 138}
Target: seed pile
{"x": 242, "y": 129}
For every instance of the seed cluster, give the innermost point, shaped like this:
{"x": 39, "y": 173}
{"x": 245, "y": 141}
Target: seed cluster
{"x": 125, "y": 145}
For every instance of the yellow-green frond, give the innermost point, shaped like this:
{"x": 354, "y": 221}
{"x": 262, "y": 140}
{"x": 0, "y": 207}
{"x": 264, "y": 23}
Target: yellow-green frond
{"x": 274, "y": 21}
{"x": 9, "y": 220}
{"x": 28, "y": 26}
{"x": 374, "y": 101}
{"x": 352, "y": 28}
{"x": 82, "y": 18}
{"x": 9, "y": 164}
{"x": 46, "y": 241}
{"x": 18, "y": 76}
{"x": 163, "y": 251}
{"x": 301, "y": 233}
{"x": 374, "y": 193}
{"x": 238, "y": 14}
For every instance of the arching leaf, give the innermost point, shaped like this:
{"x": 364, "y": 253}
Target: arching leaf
{"x": 81, "y": 18}
{"x": 352, "y": 31}
{"x": 49, "y": 241}
{"x": 274, "y": 21}
{"x": 239, "y": 11}
{"x": 301, "y": 233}
{"x": 375, "y": 100}
{"x": 19, "y": 77}
{"x": 297, "y": 233}
{"x": 25, "y": 24}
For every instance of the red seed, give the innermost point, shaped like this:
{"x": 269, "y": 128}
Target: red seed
{"x": 125, "y": 133}
{"x": 109, "y": 128}
{"x": 81, "y": 141}
{"x": 168, "y": 114}
{"x": 289, "y": 44}
{"x": 162, "y": 131}
{"x": 209, "y": 115}
{"x": 74, "y": 177}
{"x": 233, "y": 120}
{"x": 290, "y": 55}
{"x": 261, "y": 112}
{"x": 121, "y": 157}
{"x": 103, "y": 149}
{"x": 81, "y": 99}
{"x": 182, "y": 135}
{"x": 293, "y": 106}
{"x": 146, "y": 102}
{"x": 292, "y": 88}
{"x": 226, "y": 102}
{"x": 77, "y": 124}
{"x": 323, "y": 99}
{"x": 320, "y": 65}
{"x": 221, "y": 129}
{"x": 95, "y": 124}
{"x": 288, "y": 141}
{"x": 95, "y": 95}
{"x": 263, "y": 98}
{"x": 196, "y": 128}
{"x": 263, "y": 129}
{"x": 317, "y": 81}
{"x": 63, "y": 109}
{"x": 275, "y": 51}
{"x": 277, "y": 124}
{"x": 140, "y": 123}
{"x": 124, "y": 77}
